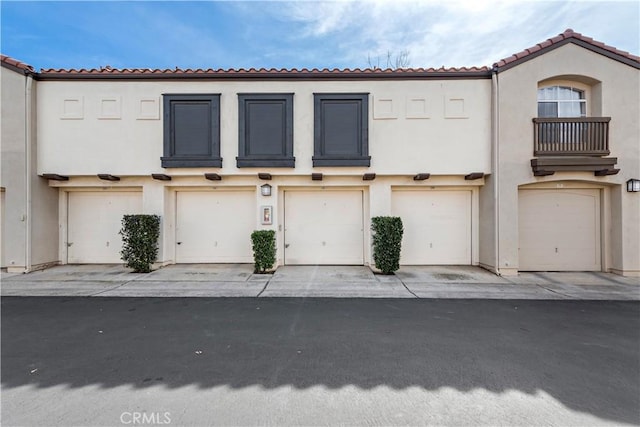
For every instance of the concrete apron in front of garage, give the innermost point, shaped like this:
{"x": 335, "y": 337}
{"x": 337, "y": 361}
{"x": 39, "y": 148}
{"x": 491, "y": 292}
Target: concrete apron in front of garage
{"x": 238, "y": 280}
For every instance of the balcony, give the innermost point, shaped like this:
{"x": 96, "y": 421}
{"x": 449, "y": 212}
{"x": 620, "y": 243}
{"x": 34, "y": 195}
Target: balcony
{"x": 572, "y": 144}
{"x": 580, "y": 136}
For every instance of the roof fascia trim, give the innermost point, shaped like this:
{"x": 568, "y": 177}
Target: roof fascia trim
{"x": 302, "y": 76}
{"x": 576, "y": 41}
{"x": 17, "y": 69}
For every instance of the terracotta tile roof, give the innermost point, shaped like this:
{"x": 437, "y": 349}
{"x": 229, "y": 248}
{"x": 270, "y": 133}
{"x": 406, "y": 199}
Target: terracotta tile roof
{"x": 259, "y": 73}
{"x": 567, "y": 36}
{"x": 14, "y": 63}
{"x": 469, "y": 72}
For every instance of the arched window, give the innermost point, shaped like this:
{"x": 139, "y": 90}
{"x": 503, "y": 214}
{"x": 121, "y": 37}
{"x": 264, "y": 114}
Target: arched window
{"x": 561, "y": 101}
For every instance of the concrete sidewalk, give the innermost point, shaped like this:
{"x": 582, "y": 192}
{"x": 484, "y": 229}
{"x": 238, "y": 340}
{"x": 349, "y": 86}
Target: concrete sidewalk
{"x": 238, "y": 280}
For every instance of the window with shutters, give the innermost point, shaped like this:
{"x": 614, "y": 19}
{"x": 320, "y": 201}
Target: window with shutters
{"x": 191, "y": 131}
{"x": 265, "y": 130}
{"x": 341, "y": 129}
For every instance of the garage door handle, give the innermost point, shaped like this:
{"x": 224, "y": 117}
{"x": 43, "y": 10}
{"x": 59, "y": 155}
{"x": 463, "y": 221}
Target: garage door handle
{"x": 179, "y": 243}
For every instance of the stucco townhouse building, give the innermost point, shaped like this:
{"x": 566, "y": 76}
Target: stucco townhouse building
{"x": 525, "y": 166}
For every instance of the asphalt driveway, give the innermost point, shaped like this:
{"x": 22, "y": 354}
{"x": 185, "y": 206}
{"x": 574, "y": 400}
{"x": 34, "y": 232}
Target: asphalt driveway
{"x": 292, "y": 361}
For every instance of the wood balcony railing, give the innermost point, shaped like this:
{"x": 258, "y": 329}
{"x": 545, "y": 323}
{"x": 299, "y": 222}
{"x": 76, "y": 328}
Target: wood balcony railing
{"x": 581, "y": 136}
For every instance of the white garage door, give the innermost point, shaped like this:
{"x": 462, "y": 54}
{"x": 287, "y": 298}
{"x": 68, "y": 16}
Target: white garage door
{"x": 95, "y": 218}
{"x": 215, "y": 226}
{"x": 559, "y": 230}
{"x": 324, "y": 227}
{"x": 437, "y": 226}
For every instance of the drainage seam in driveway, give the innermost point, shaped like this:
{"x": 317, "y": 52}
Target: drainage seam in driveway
{"x": 548, "y": 279}
{"x": 406, "y": 287}
{"x": 265, "y": 288}
{"x": 111, "y": 289}
{"x": 556, "y": 292}
{"x": 608, "y": 279}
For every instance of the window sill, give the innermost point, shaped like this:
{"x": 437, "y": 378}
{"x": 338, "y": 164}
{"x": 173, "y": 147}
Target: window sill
{"x": 191, "y": 162}
{"x": 341, "y": 161}
{"x": 273, "y": 162}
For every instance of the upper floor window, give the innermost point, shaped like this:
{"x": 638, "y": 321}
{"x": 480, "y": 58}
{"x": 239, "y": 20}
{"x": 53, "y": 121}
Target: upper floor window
{"x": 265, "y": 134}
{"x": 191, "y": 131}
{"x": 561, "y": 101}
{"x": 341, "y": 129}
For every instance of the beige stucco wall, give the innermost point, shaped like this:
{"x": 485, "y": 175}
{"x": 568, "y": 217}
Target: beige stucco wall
{"x": 439, "y": 127}
{"x": 448, "y": 128}
{"x": 614, "y": 92}
{"x": 90, "y": 127}
{"x": 43, "y": 204}
{"x": 13, "y": 150}
{"x": 30, "y": 206}
{"x": 159, "y": 197}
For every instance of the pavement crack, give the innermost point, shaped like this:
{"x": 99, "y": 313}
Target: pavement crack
{"x": 603, "y": 276}
{"x": 265, "y": 288}
{"x": 407, "y": 288}
{"x": 111, "y": 289}
{"x": 555, "y": 292}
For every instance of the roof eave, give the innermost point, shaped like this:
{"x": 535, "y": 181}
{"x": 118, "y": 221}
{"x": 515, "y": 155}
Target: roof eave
{"x": 605, "y": 52}
{"x": 474, "y": 74}
{"x": 20, "y": 70}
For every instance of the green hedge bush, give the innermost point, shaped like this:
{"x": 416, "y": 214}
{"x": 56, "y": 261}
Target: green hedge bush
{"x": 140, "y": 235}
{"x": 387, "y": 242}
{"x": 264, "y": 250}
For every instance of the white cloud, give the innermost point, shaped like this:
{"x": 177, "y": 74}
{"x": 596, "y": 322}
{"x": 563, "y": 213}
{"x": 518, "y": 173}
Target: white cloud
{"x": 307, "y": 33}
{"x": 458, "y": 33}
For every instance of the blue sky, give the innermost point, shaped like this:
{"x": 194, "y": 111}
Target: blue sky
{"x": 281, "y": 34}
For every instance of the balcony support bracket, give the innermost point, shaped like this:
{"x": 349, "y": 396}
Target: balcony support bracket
{"x": 542, "y": 165}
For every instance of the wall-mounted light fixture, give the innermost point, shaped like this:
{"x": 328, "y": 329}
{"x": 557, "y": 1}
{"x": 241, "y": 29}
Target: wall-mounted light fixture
{"x": 633, "y": 185}
{"x": 265, "y": 190}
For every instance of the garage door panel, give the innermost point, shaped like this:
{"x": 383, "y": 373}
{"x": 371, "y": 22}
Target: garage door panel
{"x": 215, "y": 227}
{"x": 559, "y": 230}
{"x": 324, "y": 227}
{"x": 94, "y": 222}
{"x": 437, "y": 226}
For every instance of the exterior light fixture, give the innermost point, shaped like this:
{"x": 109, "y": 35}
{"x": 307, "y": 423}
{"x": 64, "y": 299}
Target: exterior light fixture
{"x": 265, "y": 190}
{"x": 633, "y": 185}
